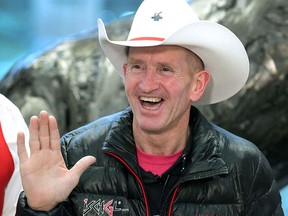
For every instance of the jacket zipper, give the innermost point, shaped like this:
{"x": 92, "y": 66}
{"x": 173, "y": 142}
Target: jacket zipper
{"x": 172, "y": 200}
{"x": 178, "y": 186}
{"x": 137, "y": 177}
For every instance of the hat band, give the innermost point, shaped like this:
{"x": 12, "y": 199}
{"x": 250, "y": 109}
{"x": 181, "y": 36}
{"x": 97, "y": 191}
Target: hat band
{"x": 147, "y": 38}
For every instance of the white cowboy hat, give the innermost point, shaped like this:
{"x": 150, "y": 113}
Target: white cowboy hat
{"x": 173, "y": 22}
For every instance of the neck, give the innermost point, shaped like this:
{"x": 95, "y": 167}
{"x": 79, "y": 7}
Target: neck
{"x": 164, "y": 143}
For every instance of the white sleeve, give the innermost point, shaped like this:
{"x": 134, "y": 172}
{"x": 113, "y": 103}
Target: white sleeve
{"x": 12, "y": 122}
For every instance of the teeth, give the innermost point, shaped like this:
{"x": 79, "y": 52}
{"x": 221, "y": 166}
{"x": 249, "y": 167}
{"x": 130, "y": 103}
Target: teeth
{"x": 153, "y": 100}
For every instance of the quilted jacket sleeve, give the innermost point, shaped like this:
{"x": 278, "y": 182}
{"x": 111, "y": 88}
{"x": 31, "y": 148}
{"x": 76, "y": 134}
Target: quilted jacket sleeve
{"x": 263, "y": 197}
{"x": 23, "y": 209}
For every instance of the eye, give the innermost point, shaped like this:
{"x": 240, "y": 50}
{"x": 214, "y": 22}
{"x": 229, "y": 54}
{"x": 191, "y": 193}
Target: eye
{"x": 136, "y": 68}
{"x": 165, "y": 70}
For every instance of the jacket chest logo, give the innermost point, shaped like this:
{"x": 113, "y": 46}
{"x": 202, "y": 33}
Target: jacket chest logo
{"x": 101, "y": 207}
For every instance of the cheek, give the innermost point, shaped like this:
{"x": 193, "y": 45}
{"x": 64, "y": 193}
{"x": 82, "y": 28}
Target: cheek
{"x": 184, "y": 93}
{"x": 132, "y": 79}
{"x": 126, "y": 85}
{"x": 130, "y": 83}
{"x": 180, "y": 87}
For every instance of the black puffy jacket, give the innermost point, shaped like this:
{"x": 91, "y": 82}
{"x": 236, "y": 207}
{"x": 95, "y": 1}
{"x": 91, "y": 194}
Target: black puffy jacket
{"x": 223, "y": 174}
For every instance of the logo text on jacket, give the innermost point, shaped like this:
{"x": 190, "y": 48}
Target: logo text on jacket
{"x": 101, "y": 207}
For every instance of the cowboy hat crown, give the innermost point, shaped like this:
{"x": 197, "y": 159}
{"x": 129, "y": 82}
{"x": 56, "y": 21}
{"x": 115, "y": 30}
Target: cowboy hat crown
{"x": 173, "y": 22}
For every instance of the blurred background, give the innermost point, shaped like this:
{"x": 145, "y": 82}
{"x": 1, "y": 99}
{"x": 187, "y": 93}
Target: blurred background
{"x": 29, "y": 26}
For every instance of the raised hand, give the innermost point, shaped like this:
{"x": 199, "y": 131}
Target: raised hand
{"x": 45, "y": 177}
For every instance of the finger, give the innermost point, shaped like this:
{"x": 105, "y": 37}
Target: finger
{"x": 54, "y": 134}
{"x": 21, "y": 149}
{"x": 44, "y": 136}
{"x": 34, "y": 143}
{"x": 77, "y": 170}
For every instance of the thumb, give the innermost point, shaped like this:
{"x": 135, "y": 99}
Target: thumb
{"x": 77, "y": 170}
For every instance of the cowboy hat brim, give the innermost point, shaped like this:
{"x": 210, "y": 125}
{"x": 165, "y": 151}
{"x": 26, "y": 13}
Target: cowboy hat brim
{"x": 223, "y": 54}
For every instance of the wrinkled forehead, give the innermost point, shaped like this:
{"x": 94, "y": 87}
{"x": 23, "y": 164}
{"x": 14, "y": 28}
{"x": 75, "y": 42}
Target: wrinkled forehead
{"x": 190, "y": 55}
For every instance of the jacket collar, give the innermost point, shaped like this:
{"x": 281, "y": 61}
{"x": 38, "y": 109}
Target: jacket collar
{"x": 201, "y": 158}
{"x": 120, "y": 140}
{"x": 204, "y": 150}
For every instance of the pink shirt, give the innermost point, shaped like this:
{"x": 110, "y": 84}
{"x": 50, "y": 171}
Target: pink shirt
{"x": 156, "y": 164}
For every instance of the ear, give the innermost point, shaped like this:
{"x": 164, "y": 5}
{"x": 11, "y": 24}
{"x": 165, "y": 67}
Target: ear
{"x": 199, "y": 82}
{"x": 124, "y": 69}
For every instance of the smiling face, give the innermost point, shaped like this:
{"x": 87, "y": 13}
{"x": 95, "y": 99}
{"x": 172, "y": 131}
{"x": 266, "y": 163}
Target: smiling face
{"x": 161, "y": 83}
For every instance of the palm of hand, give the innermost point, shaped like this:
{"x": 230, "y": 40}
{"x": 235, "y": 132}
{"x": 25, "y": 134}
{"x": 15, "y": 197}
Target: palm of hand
{"x": 45, "y": 177}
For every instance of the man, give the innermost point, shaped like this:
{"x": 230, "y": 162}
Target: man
{"x": 160, "y": 156}
{"x": 11, "y": 121}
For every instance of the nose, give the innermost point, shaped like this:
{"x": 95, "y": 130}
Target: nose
{"x": 149, "y": 82}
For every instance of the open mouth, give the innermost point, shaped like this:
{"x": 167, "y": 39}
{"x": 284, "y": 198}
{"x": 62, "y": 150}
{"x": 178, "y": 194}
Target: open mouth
{"x": 151, "y": 103}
